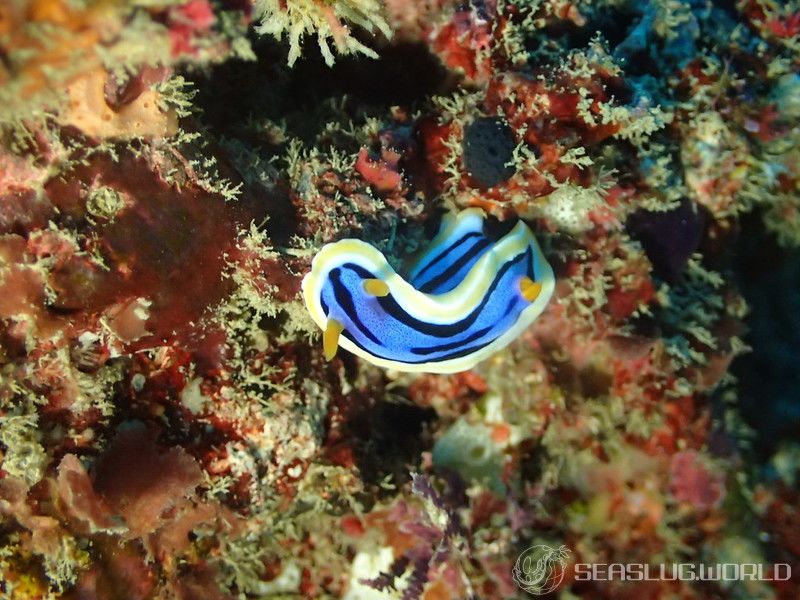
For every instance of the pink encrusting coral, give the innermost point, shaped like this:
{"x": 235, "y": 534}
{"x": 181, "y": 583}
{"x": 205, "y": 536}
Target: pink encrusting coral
{"x": 692, "y": 482}
{"x": 169, "y": 424}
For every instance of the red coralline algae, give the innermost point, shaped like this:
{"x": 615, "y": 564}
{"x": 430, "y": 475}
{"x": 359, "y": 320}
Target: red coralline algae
{"x": 79, "y": 500}
{"x": 140, "y": 265}
{"x": 185, "y": 21}
{"x": 174, "y": 538}
{"x": 449, "y": 392}
{"x": 463, "y": 43}
{"x": 548, "y": 110}
{"x": 119, "y": 571}
{"x": 785, "y": 28}
{"x": 23, "y": 210}
{"x": 125, "y": 474}
{"x": 381, "y": 175}
{"x": 693, "y": 482}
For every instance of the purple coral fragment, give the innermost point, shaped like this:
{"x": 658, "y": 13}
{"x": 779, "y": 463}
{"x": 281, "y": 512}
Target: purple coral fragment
{"x": 669, "y": 238}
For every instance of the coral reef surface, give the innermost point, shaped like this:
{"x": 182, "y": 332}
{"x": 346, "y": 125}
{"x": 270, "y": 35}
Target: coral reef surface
{"x": 170, "y": 427}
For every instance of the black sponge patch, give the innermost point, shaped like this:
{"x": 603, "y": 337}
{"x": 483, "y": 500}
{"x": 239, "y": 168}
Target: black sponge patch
{"x": 488, "y": 149}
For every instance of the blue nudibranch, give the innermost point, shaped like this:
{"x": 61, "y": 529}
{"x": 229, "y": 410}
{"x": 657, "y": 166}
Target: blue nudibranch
{"x": 466, "y": 297}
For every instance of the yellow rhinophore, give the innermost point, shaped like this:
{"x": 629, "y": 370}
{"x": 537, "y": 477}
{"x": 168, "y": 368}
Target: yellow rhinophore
{"x": 376, "y": 287}
{"x": 330, "y": 339}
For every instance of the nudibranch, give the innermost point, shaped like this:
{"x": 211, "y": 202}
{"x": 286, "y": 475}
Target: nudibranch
{"x": 466, "y": 297}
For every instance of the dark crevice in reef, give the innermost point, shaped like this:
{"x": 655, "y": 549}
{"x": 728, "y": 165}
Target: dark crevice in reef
{"x": 386, "y": 437}
{"x": 237, "y": 99}
{"x": 391, "y": 439}
{"x": 769, "y": 376}
{"x": 405, "y": 74}
{"x": 613, "y": 23}
{"x": 727, "y": 6}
